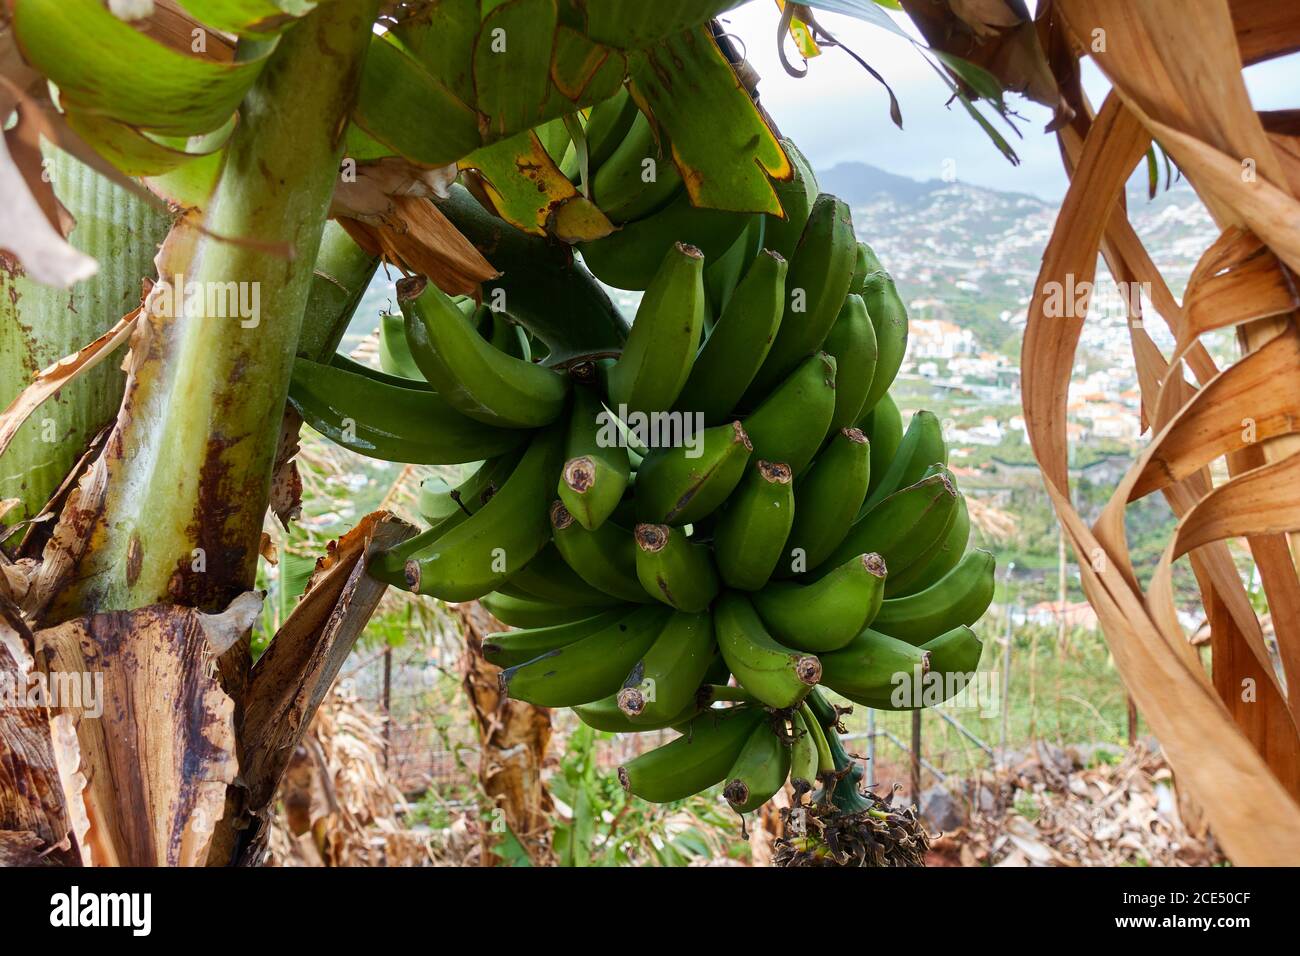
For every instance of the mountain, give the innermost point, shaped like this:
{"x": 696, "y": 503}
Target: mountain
{"x": 858, "y": 183}
{"x": 861, "y": 183}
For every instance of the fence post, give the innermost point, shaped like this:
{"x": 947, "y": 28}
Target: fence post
{"x": 388, "y": 700}
{"x": 916, "y": 756}
{"x": 871, "y": 748}
{"x": 1006, "y": 671}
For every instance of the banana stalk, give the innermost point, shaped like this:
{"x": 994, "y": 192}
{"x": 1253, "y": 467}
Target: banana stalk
{"x": 189, "y": 463}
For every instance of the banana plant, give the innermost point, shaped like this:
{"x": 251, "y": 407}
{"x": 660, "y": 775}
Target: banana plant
{"x": 202, "y": 149}
{"x": 216, "y": 138}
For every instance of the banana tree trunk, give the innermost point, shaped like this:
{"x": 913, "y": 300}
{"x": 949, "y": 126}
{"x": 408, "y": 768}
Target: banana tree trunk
{"x": 185, "y": 479}
{"x": 166, "y": 523}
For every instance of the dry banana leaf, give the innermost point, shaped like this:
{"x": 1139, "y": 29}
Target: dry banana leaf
{"x": 1238, "y": 752}
{"x": 513, "y": 738}
{"x": 291, "y": 678}
{"x": 420, "y": 239}
{"x": 157, "y": 757}
{"x": 37, "y": 826}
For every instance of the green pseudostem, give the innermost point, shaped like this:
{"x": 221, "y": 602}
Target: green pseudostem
{"x": 189, "y": 466}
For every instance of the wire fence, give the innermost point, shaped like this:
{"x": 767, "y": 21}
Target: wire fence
{"x": 1026, "y": 689}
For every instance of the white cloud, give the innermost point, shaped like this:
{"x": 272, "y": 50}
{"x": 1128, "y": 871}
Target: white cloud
{"x": 839, "y": 113}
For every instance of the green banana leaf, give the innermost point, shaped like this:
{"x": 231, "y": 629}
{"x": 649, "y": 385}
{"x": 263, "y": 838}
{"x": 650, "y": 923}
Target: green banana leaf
{"x": 250, "y": 18}
{"x": 408, "y": 109}
{"x": 582, "y": 70}
{"x": 721, "y": 143}
{"x": 529, "y": 191}
{"x": 40, "y": 325}
{"x": 442, "y": 39}
{"x": 512, "y": 72}
{"x": 136, "y": 154}
{"x": 636, "y": 25}
{"x": 105, "y": 67}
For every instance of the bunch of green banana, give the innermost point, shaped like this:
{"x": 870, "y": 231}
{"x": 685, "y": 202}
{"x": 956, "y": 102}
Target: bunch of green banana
{"x": 684, "y": 533}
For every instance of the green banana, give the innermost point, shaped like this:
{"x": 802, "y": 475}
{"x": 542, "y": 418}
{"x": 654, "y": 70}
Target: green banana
{"x": 804, "y": 759}
{"x": 889, "y": 316}
{"x": 666, "y": 680}
{"x": 508, "y": 648}
{"x": 588, "y": 669}
{"x": 445, "y": 507}
{"x": 681, "y": 485}
{"x": 883, "y": 427}
{"x": 604, "y": 558}
{"x": 852, "y": 342}
{"x": 673, "y": 569}
{"x": 604, "y": 715}
{"x": 952, "y": 659}
{"x": 827, "y": 499}
{"x": 739, "y": 342}
{"x": 344, "y": 363}
{"x": 955, "y": 651}
{"x": 394, "y": 354}
{"x": 925, "y": 573}
{"x": 921, "y": 447}
{"x": 549, "y": 578}
{"x": 906, "y": 528}
{"x": 638, "y": 178}
{"x": 390, "y": 422}
{"x": 818, "y": 280}
{"x": 959, "y": 597}
{"x": 629, "y": 258}
{"x": 481, "y": 553}
{"x": 545, "y": 289}
{"x": 830, "y": 612}
{"x": 759, "y": 771}
{"x": 656, "y": 361}
{"x": 519, "y": 610}
{"x": 445, "y": 510}
{"x": 723, "y": 275}
{"x": 480, "y": 381}
{"x": 871, "y": 667}
{"x": 597, "y": 470}
{"x": 791, "y": 422}
{"x": 751, "y": 531}
{"x": 607, "y": 125}
{"x": 775, "y": 674}
{"x": 505, "y": 335}
{"x": 861, "y": 267}
{"x": 796, "y": 196}
{"x": 694, "y": 761}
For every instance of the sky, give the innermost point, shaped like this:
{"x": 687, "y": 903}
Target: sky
{"x": 839, "y": 113}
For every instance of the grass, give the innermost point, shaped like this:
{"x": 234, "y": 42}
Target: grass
{"x": 1070, "y": 698}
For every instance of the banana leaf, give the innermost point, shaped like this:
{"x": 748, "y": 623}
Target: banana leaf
{"x": 250, "y": 18}
{"x": 104, "y": 67}
{"x": 635, "y": 25}
{"x": 40, "y": 325}
{"x": 722, "y": 145}
{"x": 529, "y": 191}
